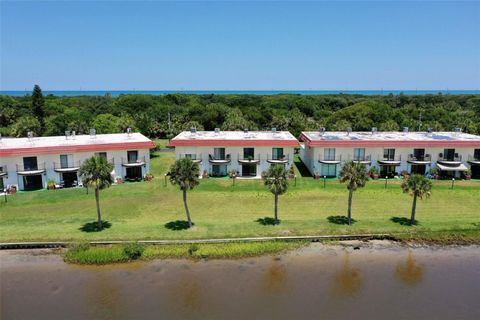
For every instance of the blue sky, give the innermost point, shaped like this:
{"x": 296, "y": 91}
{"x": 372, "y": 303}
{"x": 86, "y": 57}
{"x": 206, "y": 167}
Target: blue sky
{"x": 249, "y": 45}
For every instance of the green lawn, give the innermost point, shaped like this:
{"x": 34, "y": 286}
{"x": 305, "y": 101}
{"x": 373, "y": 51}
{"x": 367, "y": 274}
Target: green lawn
{"x": 141, "y": 210}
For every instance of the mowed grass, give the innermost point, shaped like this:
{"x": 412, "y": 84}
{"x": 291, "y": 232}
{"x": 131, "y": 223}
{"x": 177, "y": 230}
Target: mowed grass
{"x": 138, "y": 211}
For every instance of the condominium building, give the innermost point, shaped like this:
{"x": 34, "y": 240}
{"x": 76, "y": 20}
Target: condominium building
{"x": 452, "y": 153}
{"x": 248, "y": 153}
{"x": 29, "y": 163}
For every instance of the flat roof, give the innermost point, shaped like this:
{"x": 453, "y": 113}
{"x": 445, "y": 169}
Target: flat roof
{"x": 357, "y": 138}
{"x": 235, "y": 138}
{"x": 79, "y": 143}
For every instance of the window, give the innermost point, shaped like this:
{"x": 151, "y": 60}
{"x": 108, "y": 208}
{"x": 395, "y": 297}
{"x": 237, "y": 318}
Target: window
{"x": 66, "y": 160}
{"x": 476, "y": 154}
{"x": 388, "y": 154}
{"x": 359, "y": 154}
{"x": 30, "y": 163}
{"x": 329, "y": 170}
{"x": 419, "y": 154}
{"x": 191, "y": 156}
{"x": 132, "y": 156}
{"x": 248, "y": 153}
{"x": 449, "y": 154}
{"x": 101, "y": 154}
{"x": 277, "y": 153}
{"x": 219, "y": 153}
{"x": 329, "y": 154}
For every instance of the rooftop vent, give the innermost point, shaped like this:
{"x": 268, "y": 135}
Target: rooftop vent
{"x": 405, "y": 130}
{"x": 217, "y": 130}
{"x": 429, "y": 131}
{"x": 129, "y": 131}
{"x": 274, "y": 130}
{"x": 93, "y": 133}
{"x": 30, "y": 135}
{"x": 321, "y": 131}
{"x": 67, "y": 134}
{"x": 457, "y": 131}
{"x": 73, "y": 135}
{"x": 245, "y": 131}
{"x": 193, "y": 130}
{"x": 349, "y": 130}
{"x": 374, "y": 130}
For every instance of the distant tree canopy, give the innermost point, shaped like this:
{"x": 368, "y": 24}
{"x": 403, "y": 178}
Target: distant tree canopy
{"x": 164, "y": 116}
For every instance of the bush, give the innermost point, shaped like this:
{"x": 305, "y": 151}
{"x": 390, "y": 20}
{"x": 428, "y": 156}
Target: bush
{"x": 133, "y": 250}
{"x": 76, "y": 247}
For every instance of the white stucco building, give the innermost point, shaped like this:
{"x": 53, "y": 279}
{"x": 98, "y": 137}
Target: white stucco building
{"x": 392, "y": 152}
{"x": 249, "y": 153}
{"x": 29, "y": 163}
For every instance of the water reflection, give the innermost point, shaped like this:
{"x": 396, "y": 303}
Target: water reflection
{"x": 188, "y": 293}
{"x": 348, "y": 281}
{"x": 410, "y": 272}
{"x": 275, "y": 280}
{"x": 104, "y": 299}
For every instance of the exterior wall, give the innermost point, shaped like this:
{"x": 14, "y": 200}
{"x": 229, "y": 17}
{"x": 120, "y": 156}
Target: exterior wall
{"x": 261, "y": 153}
{"x": 311, "y": 155}
{"x": 49, "y": 159}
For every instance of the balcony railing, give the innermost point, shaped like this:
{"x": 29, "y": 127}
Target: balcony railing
{"x": 396, "y": 160}
{"x": 59, "y": 166}
{"x": 219, "y": 160}
{"x": 329, "y": 160}
{"x": 362, "y": 159}
{"x": 31, "y": 168}
{"x": 419, "y": 159}
{"x": 197, "y": 158}
{"x": 455, "y": 159}
{"x": 278, "y": 159}
{"x": 242, "y": 159}
{"x": 137, "y": 162}
{"x": 474, "y": 159}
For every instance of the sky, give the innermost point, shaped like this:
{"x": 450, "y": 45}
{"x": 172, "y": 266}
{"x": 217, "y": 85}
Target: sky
{"x": 244, "y": 45}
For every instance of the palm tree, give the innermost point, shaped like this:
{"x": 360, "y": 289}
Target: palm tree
{"x": 95, "y": 172}
{"x": 277, "y": 182}
{"x": 184, "y": 173}
{"x": 419, "y": 187}
{"x": 354, "y": 174}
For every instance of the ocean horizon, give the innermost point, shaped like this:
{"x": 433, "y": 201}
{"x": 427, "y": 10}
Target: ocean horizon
{"x": 116, "y": 93}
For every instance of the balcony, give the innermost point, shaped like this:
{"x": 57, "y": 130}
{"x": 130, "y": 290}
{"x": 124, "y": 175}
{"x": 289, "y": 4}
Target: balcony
{"x": 367, "y": 159}
{"x": 248, "y": 160}
{"x": 71, "y": 166}
{"x": 329, "y": 160}
{"x": 30, "y": 170}
{"x": 419, "y": 160}
{"x": 196, "y": 158}
{"x": 389, "y": 161}
{"x": 129, "y": 163}
{"x": 219, "y": 160}
{"x": 474, "y": 159}
{"x": 277, "y": 160}
{"x": 3, "y": 171}
{"x": 455, "y": 160}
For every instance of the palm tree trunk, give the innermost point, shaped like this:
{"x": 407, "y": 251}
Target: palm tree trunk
{"x": 99, "y": 214}
{"x": 414, "y": 207}
{"x": 186, "y": 208}
{"x": 349, "y": 214}
{"x": 276, "y": 208}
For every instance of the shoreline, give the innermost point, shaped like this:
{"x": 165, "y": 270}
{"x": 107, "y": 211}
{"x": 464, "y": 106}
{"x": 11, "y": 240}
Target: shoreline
{"x": 104, "y": 255}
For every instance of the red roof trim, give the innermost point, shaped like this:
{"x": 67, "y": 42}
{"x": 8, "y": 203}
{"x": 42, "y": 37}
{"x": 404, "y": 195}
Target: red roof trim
{"x": 382, "y": 143}
{"x": 73, "y": 149}
{"x": 234, "y": 143}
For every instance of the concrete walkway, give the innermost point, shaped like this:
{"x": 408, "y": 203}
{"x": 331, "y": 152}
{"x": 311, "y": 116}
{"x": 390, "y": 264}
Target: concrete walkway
{"x": 60, "y": 244}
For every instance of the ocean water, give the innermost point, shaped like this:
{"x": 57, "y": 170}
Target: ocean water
{"x": 116, "y": 93}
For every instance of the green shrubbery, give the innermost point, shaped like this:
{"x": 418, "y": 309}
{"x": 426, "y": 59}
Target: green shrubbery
{"x": 86, "y": 254}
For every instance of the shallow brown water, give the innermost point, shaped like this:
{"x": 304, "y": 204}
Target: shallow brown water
{"x": 318, "y": 282}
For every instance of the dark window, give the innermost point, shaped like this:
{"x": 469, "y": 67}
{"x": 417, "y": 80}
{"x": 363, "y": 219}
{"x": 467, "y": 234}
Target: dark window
{"x": 388, "y": 154}
{"x": 449, "y": 154}
{"x": 132, "y": 156}
{"x": 476, "y": 154}
{"x": 419, "y": 154}
{"x": 248, "y": 153}
{"x": 30, "y": 163}
{"x": 101, "y": 154}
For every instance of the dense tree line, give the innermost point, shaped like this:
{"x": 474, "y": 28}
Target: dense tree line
{"x": 166, "y": 115}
